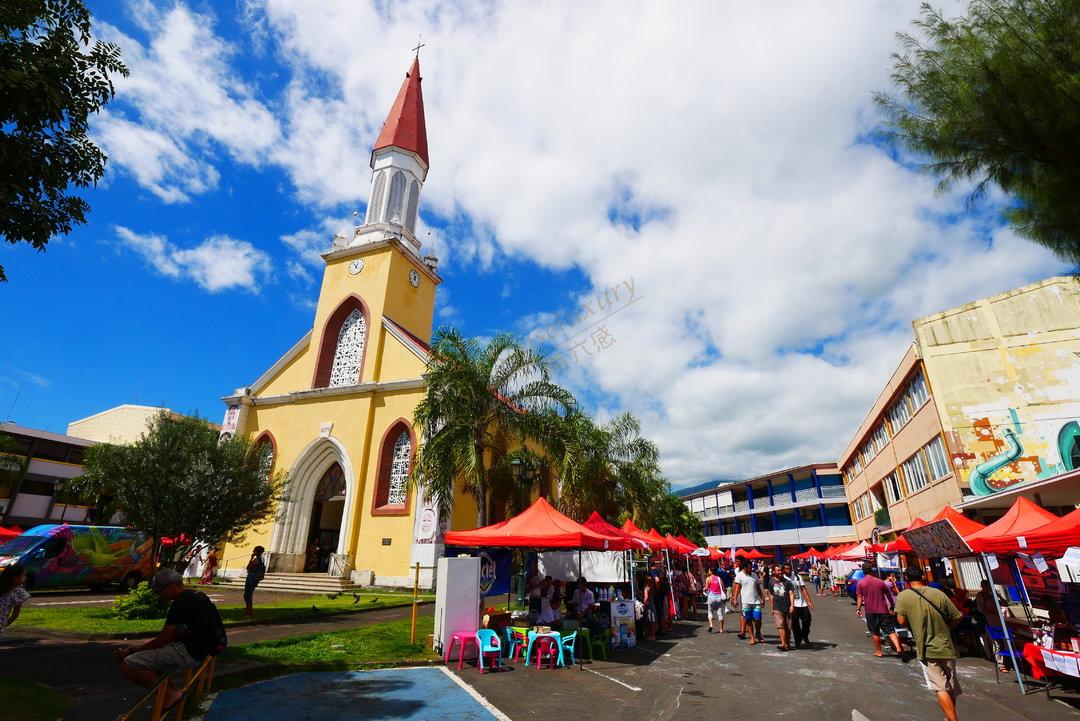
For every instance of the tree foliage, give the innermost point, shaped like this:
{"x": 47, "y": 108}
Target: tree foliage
{"x": 12, "y": 464}
{"x": 480, "y": 400}
{"x": 993, "y": 97}
{"x": 179, "y": 479}
{"x": 53, "y": 75}
{"x": 669, "y": 514}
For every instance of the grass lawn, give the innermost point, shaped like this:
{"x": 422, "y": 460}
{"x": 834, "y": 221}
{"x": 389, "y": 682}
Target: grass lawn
{"x": 381, "y": 644}
{"x": 99, "y": 619}
{"x": 29, "y": 701}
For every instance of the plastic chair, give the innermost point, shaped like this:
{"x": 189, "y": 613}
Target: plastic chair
{"x": 488, "y": 642}
{"x": 464, "y": 639}
{"x": 585, "y": 636}
{"x": 997, "y": 633}
{"x": 515, "y": 643}
{"x": 568, "y": 642}
{"x": 602, "y": 642}
{"x": 545, "y": 645}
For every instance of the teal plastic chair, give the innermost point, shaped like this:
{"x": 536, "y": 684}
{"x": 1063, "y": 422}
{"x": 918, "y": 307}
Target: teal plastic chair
{"x": 515, "y": 643}
{"x": 585, "y": 635}
{"x": 602, "y": 642}
{"x": 568, "y": 642}
{"x": 488, "y": 641}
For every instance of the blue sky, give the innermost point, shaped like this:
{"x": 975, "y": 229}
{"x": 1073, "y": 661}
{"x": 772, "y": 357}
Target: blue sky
{"x": 777, "y": 257}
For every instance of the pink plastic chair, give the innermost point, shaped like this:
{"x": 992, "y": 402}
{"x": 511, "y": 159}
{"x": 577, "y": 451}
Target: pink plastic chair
{"x": 546, "y": 646}
{"x": 463, "y": 638}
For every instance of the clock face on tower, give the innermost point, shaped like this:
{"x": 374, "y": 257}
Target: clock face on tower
{"x": 414, "y": 278}
{"x": 356, "y": 266}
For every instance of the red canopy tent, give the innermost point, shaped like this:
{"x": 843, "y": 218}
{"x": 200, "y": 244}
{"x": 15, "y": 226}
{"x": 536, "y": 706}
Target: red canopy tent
{"x": 1055, "y": 536}
{"x": 678, "y": 546}
{"x": 834, "y": 551}
{"x": 1023, "y": 517}
{"x": 753, "y": 554}
{"x": 634, "y": 532}
{"x": 810, "y": 553}
{"x": 538, "y": 526}
{"x": 6, "y": 534}
{"x": 659, "y": 541}
{"x": 596, "y": 522}
{"x": 963, "y": 525}
{"x": 856, "y": 552}
{"x": 900, "y": 545}
{"x": 690, "y": 545}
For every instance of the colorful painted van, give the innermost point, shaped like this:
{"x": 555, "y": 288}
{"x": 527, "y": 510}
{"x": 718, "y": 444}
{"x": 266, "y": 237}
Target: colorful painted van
{"x": 59, "y": 556}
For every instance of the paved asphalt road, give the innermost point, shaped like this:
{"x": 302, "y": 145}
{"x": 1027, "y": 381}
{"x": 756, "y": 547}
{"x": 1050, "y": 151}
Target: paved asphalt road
{"x": 695, "y": 675}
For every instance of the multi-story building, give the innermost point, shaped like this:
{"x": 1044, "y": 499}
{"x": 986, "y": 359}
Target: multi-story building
{"x": 789, "y": 510}
{"x": 123, "y": 424}
{"x": 984, "y": 404}
{"x": 897, "y": 468}
{"x": 46, "y": 461}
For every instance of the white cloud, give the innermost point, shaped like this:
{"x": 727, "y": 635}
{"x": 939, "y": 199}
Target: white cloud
{"x": 188, "y": 103}
{"x": 711, "y": 154}
{"x": 218, "y": 263}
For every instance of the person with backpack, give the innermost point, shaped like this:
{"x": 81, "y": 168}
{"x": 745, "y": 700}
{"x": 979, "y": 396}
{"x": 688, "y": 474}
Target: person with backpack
{"x": 931, "y": 616}
{"x": 193, "y": 630}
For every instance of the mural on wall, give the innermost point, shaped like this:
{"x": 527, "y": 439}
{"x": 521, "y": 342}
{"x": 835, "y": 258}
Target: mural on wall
{"x": 1005, "y": 373}
{"x": 994, "y": 456}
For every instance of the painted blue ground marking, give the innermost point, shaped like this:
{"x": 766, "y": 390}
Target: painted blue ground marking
{"x": 425, "y": 694}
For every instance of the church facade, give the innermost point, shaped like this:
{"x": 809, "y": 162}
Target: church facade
{"x": 336, "y": 409}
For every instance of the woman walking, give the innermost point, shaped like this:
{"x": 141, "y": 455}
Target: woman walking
{"x": 209, "y": 569}
{"x": 717, "y": 599}
{"x": 256, "y": 569}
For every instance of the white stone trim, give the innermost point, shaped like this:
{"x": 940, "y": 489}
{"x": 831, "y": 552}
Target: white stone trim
{"x": 391, "y": 230}
{"x": 377, "y": 387}
{"x": 291, "y": 529}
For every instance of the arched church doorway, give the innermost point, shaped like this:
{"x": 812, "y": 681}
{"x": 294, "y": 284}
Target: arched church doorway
{"x": 327, "y": 516}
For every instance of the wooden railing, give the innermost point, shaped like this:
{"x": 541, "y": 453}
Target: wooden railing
{"x": 196, "y": 683}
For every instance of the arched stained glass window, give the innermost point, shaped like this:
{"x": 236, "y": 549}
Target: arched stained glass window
{"x": 349, "y": 353}
{"x": 376, "y": 198}
{"x": 410, "y": 209}
{"x": 399, "y": 470}
{"x": 266, "y": 457}
{"x": 395, "y": 206}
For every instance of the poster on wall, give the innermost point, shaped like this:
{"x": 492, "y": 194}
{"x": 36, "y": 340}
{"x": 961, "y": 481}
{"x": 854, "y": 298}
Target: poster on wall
{"x": 494, "y": 568}
{"x": 622, "y": 625}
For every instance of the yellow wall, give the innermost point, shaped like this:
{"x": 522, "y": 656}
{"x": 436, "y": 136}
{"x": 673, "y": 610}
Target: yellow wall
{"x": 360, "y": 418}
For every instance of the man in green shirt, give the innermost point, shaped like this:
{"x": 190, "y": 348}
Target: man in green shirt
{"x": 931, "y": 616}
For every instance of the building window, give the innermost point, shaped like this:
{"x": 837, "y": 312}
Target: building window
{"x": 918, "y": 392}
{"x": 349, "y": 353}
{"x": 410, "y": 209}
{"x": 808, "y": 515}
{"x": 937, "y": 459}
{"x": 396, "y": 203}
{"x": 265, "y": 451}
{"x": 915, "y": 477}
{"x": 892, "y": 488}
{"x": 376, "y": 198}
{"x": 392, "y": 491}
{"x": 880, "y": 438}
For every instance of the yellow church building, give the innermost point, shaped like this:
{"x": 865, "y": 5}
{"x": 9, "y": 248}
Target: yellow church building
{"x": 336, "y": 409}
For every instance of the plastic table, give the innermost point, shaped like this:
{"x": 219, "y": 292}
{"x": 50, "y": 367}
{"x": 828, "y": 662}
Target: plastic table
{"x": 533, "y": 635}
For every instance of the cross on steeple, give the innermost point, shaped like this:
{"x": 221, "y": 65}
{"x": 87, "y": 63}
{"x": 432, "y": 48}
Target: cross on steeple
{"x": 418, "y": 45}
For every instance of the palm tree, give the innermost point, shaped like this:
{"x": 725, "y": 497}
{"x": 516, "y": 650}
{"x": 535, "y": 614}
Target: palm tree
{"x": 606, "y": 468}
{"x": 480, "y": 401}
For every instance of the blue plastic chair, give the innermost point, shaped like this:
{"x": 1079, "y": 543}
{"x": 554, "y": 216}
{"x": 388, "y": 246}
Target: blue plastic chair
{"x": 568, "y": 642}
{"x": 997, "y": 633}
{"x": 515, "y": 643}
{"x": 488, "y": 641}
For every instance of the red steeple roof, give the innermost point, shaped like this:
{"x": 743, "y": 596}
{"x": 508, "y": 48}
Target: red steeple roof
{"x": 404, "y": 127}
